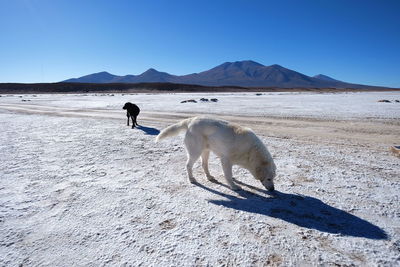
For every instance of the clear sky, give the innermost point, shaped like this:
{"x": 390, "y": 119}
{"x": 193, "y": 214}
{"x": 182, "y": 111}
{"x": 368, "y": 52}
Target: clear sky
{"x": 51, "y": 40}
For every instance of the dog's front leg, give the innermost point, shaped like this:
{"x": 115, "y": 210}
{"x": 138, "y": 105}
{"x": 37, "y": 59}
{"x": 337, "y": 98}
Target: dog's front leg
{"x": 227, "y": 168}
{"x": 127, "y": 115}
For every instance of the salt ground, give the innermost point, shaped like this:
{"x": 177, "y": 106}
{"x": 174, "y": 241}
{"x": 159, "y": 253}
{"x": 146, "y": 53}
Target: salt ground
{"x": 80, "y": 188}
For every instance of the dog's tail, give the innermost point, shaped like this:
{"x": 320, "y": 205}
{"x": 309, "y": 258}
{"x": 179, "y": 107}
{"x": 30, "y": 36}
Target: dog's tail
{"x": 174, "y": 129}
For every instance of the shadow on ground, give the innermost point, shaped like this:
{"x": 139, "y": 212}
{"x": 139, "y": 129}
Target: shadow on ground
{"x": 304, "y": 211}
{"x": 148, "y": 130}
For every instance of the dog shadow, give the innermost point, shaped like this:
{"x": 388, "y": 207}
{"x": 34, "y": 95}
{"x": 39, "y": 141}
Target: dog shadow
{"x": 148, "y": 130}
{"x": 301, "y": 210}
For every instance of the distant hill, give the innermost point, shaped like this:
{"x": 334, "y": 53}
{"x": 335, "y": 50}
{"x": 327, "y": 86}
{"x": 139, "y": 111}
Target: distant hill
{"x": 76, "y": 87}
{"x": 100, "y": 77}
{"x": 240, "y": 73}
{"x": 325, "y": 78}
{"x": 250, "y": 74}
{"x": 150, "y": 75}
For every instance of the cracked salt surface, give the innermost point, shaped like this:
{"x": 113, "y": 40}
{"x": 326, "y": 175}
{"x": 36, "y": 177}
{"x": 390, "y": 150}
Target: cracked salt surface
{"x": 91, "y": 191}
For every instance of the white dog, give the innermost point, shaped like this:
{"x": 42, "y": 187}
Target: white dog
{"x": 232, "y": 143}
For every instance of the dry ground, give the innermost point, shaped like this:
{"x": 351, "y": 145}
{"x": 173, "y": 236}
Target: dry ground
{"x": 78, "y": 187}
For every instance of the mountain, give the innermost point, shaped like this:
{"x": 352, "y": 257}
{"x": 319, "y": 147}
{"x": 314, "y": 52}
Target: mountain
{"x": 150, "y": 75}
{"x": 325, "y": 78}
{"x": 249, "y": 73}
{"x": 100, "y": 77}
{"x": 245, "y": 73}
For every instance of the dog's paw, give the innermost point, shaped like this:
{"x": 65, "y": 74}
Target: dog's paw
{"x": 192, "y": 180}
{"x": 236, "y": 188}
{"x": 212, "y": 179}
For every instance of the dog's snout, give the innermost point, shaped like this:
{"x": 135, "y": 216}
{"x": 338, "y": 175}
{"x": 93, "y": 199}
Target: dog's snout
{"x": 271, "y": 188}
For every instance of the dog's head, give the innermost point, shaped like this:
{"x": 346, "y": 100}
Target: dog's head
{"x": 127, "y": 104}
{"x": 266, "y": 174}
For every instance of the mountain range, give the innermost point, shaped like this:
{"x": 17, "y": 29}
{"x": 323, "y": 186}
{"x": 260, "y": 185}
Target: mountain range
{"x": 240, "y": 73}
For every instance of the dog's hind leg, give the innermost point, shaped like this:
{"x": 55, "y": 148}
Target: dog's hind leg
{"x": 193, "y": 148}
{"x": 133, "y": 121}
{"x": 204, "y": 162}
{"x": 227, "y": 168}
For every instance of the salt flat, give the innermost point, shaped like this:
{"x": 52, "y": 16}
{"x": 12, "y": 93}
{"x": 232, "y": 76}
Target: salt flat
{"x": 79, "y": 187}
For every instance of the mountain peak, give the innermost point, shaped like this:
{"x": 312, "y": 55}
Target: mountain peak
{"x": 325, "y": 78}
{"x": 276, "y": 66}
{"x": 102, "y": 72}
{"x": 252, "y": 62}
{"x": 243, "y": 63}
{"x": 248, "y": 62}
{"x": 99, "y": 77}
{"x": 154, "y": 72}
{"x": 150, "y": 75}
{"x": 151, "y": 70}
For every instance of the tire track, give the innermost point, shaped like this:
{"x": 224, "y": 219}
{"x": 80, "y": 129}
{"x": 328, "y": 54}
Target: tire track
{"x": 348, "y": 132}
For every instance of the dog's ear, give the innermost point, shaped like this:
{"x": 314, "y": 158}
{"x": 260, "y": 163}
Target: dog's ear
{"x": 259, "y": 172}
{"x": 126, "y": 106}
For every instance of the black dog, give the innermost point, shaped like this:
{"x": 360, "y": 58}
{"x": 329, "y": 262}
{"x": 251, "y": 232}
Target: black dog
{"x": 132, "y": 111}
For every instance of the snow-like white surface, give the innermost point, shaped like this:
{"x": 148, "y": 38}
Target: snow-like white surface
{"x": 334, "y": 106}
{"x": 90, "y": 191}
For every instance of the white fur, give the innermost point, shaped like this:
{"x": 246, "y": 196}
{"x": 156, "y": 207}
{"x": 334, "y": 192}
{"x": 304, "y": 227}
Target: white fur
{"x": 233, "y": 144}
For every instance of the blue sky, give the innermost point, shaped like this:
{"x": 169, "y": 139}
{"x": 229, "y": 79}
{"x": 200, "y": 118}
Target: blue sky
{"x": 52, "y": 40}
